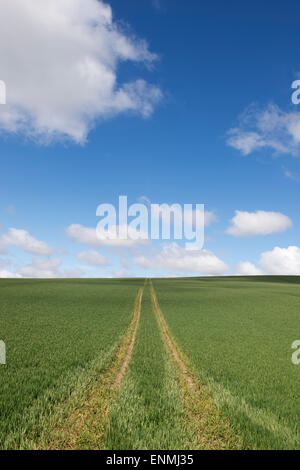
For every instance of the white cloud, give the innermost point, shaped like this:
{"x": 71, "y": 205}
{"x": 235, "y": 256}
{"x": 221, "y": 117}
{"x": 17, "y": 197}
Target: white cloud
{"x": 267, "y": 128}
{"x": 61, "y": 67}
{"x": 175, "y": 258}
{"x": 9, "y": 275}
{"x": 41, "y": 268}
{"x": 121, "y": 274}
{"x": 245, "y": 268}
{"x": 48, "y": 269}
{"x": 92, "y": 257}
{"x": 23, "y": 240}
{"x": 281, "y": 261}
{"x": 88, "y": 236}
{"x": 248, "y": 224}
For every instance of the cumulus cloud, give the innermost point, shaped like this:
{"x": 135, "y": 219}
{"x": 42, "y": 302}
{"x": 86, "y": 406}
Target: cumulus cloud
{"x": 279, "y": 261}
{"x": 9, "y": 275}
{"x": 269, "y": 128}
{"x": 90, "y": 237}
{"x": 175, "y": 258}
{"x": 61, "y": 68}
{"x": 41, "y": 268}
{"x": 92, "y": 257}
{"x": 248, "y": 224}
{"x": 48, "y": 269}
{"x": 245, "y": 268}
{"x": 23, "y": 240}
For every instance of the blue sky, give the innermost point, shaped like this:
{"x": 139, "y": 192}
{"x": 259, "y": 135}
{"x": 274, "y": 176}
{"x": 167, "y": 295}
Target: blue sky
{"x": 206, "y": 68}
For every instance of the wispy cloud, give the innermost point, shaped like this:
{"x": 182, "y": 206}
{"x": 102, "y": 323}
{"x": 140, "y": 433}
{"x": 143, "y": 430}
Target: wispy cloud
{"x": 291, "y": 174}
{"x": 268, "y": 128}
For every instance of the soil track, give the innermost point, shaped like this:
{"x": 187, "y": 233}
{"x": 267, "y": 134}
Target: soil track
{"x": 169, "y": 341}
{"x": 127, "y": 357}
{"x": 209, "y": 428}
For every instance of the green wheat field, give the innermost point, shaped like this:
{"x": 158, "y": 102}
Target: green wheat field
{"x": 209, "y": 365}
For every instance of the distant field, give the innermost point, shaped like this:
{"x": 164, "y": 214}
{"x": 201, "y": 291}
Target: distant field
{"x": 56, "y": 332}
{"x": 238, "y": 332}
{"x": 189, "y": 363}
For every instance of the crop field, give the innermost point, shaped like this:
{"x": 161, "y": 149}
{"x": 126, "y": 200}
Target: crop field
{"x": 191, "y": 363}
{"x": 237, "y": 333}
{"x": 57, "y": 334}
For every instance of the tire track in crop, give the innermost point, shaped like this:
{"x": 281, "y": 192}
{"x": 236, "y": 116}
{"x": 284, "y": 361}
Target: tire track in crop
{"x": 123, "y": 368}
{"x": 148, "y": 410}
{"x": 209, "y": 428}
{"x": 170, "y": 344}
{"x": 81, "y": 424}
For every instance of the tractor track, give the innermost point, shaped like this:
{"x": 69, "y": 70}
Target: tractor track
{"x": 127, "y": 357}
{"x": 211, "y": 431}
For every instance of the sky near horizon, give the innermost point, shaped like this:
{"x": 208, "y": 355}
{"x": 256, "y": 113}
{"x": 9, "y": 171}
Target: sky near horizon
{"x": 167, "y": 101}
